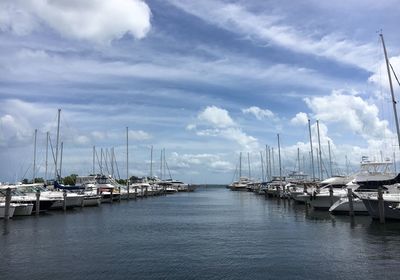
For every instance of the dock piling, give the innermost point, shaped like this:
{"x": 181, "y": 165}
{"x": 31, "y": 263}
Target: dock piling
{"x": 350, "y": 197}
{"x": 331, "y": 194}
{"x": 65, "y": 200}
{"x": 37, "y": 202}
{"x": 381, "y": 206}
{"x": 7, "y": 206}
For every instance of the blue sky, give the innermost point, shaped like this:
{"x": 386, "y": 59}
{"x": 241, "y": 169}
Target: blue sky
{"x": 205, "y": 80}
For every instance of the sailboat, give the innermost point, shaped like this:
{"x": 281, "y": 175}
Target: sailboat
{"x": 390, "y": 206}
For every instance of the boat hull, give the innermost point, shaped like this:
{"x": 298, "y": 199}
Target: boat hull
{"x": 391, "y": 209}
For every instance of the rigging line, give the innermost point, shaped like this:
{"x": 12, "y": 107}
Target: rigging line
{"x": 116, "y": 165}
{"x": 52, "y": 152}
{"x": 394, "y": 73}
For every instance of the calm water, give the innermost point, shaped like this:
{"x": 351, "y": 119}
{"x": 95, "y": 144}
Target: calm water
{"x": 212, "y": 233}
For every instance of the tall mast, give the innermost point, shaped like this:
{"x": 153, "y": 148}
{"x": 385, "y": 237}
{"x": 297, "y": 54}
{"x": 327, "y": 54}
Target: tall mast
{"x": 266, "y": 163}
{"x": 273, "y": 160}
{"x": 151, "y": 162}
{"x": 330, "y": 158}
{"x": 61, "y": 155}
{"x": 262, "y": 167}
{"x": 47, "y": 156}
{"x": 240, "y": 165}
{"x": 279, "y": 158}
{"x": 311, "y": 149}
{"x": 161, "y": 164}
{"x": 112, "y": 162}
{"x": 298, "y": 159}
{"x": 94, "y": 156}
{"x": 127, "y": 159}
{"x": 34, "y": 158}
{"x": 321, "y": 174}
{"x": 101, "y": 161}
{"x": 391, "y": 90}
{"x": 269, "y": 163}
{"x": 58, "y": 139}
{"x": 248, "y": 161}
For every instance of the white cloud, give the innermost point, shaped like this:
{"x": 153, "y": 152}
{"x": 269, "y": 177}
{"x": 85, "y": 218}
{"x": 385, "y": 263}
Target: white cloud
{"x": 95, "y": 20}
{"x": 138, "y": 135}
{"x": 270, "y": 28}
{"x": 216, "y": 122}
{"x": 352, "y": 112}
{"x": 300, "y": 119}
{"x": 215, "y": 162}
{"x": 380, "y": 76}
{"x": 216, "y": 116}
{"x": 14, "y": 19}
{"x": 190, "y": 127}
{"x": 258, "y": 112}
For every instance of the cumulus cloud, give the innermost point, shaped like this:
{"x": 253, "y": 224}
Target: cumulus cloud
{"x": 380, "y": 77}
{"x": 259, "y": 113}
{"x": 216, "y": 122}
{"x": 215, "y": 162}
{"x": 355, "y": 114}
{"x": 138, "y": 135}
{"x": 300, "y": 119}
{"x": 216, "y": 116}
{"x": 95, "y": 20}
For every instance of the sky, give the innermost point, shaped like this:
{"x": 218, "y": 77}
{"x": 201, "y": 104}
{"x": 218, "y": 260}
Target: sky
{"x": 204, "y": 80}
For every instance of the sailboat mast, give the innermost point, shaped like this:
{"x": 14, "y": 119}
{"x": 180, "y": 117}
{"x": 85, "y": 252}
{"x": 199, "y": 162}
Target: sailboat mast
{"x": 47, "y": 156}
{"x": 298, "y": 159}
{"x": 321, "y": 173}
{"x": 34, "y": 158}
{"x": 330, "y": 158}
{"x": 391, "y": 89}
{"x": 58, "y": 139}
{"x": 311, "y": 149}
{"x": 151, "y": 162}
{"x": 279, "y": 158}
{"x": 248, "y": 161}
{"x": 127, "y": 161}
{"x": 240, "y": 165}
{"x": 262, "y": 167}
{"x": 94, "y": 159}
{"x": 101, "y": 161}
{"x": 61, "y": 156}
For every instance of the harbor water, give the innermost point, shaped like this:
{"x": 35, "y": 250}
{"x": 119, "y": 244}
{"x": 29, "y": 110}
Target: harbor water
{"x": 212, "y": 233}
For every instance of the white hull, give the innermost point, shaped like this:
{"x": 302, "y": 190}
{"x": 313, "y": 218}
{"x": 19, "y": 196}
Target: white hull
{"x": 343, "y": 206}
{"x": 94, "y": 200}
{"x": 71, "y": 201}
{"x": 3, "y": 208}
{"x": 23, "y": 209}
{"x": 323, "y": 201}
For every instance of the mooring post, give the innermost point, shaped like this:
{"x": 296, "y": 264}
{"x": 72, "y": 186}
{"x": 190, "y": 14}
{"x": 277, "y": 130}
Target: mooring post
{"x": 146, "y": 191}
{"x": 331, "y": 194}
{"x": 111, "y": 195}
{"x": 127, "y": 188}
{"x": 65, "y": 200}
{"x": 7, "y": 206}
{"x": 83, "y": 202}
{"x": 37, "y": 210}
{"x": 350, "y": 197}
{"x": 119, "y": 190}
{"x": 381, "y": 206}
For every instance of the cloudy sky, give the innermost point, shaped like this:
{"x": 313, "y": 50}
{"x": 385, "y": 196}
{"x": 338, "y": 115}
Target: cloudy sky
{"x": 205, "y": 80}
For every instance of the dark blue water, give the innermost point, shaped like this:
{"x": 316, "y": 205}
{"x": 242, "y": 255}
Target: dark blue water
{"x": 212, "y": 233}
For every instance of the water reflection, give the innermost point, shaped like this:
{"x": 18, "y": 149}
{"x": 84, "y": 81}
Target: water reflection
{"x": 5, "y": 227}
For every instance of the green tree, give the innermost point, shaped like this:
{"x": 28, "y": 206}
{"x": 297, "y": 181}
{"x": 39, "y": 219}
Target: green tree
{"x": 39, "y": 180}
{"x": 70, "y": 180}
